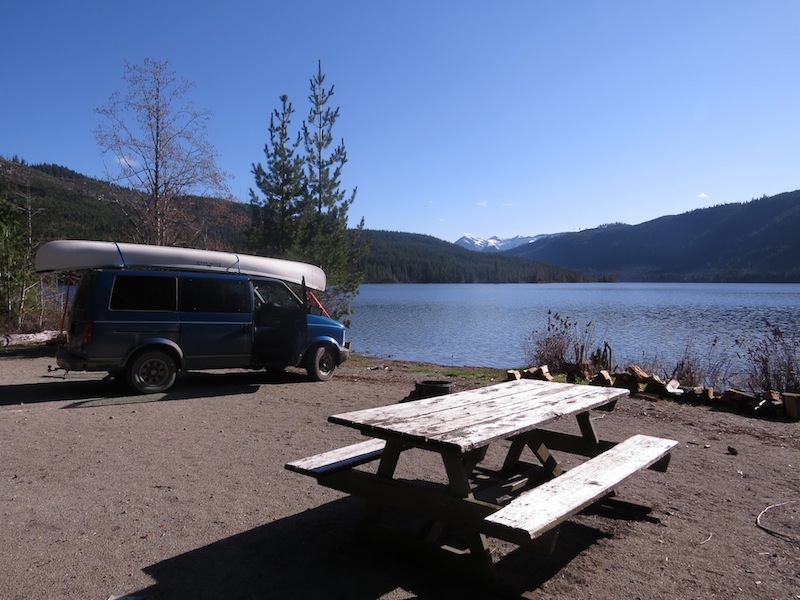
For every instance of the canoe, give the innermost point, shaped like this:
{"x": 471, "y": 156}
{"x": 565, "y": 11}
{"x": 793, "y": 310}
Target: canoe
{"x": 76, "y": 255}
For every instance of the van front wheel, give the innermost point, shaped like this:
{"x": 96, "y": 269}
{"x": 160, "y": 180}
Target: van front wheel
{"x": 152, "y": 372}
{"x": 321, "y": 363}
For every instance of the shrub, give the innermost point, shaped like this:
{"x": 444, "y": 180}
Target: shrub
{"x": 772, "y": 361}
{"x": 563, "y": 342}
{"x": 549, "y": 347}
{"x": 711, "y": 370}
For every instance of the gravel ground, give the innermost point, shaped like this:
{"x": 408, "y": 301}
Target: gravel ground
{"x": 185, "y": 495}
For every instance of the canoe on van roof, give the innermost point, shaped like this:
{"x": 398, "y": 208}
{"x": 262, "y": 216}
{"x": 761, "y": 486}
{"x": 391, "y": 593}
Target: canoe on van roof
{"x": 74, "y": 255}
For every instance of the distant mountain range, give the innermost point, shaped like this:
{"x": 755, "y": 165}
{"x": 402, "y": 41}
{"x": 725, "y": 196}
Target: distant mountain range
{"x": 755, "y": 241}
{"x": 496, "y": 244}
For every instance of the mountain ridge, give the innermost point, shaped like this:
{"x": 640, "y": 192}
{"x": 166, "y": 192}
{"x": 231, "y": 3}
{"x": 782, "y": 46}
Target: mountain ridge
{"x": 754, "y": 241}
{"x": 497, "y": 244}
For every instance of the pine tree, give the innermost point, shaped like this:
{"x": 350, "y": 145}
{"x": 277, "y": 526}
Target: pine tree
{"x": 323, "y": 237}
{"x": 282, "y": 182}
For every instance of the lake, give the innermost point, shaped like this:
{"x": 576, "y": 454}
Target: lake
{"x": 487, "y": 324}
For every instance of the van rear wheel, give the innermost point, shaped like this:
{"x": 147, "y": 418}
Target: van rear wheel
{"x": 151, "y": 372}
{"x": 321, "y": 363}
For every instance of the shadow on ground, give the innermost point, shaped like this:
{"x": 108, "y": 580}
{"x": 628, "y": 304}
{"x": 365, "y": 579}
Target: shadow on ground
{"x": 57, "y": 387}
{"x": 314, "y": 555}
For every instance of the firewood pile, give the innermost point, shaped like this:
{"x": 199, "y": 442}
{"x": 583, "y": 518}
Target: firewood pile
{"x": 769, "y": 404}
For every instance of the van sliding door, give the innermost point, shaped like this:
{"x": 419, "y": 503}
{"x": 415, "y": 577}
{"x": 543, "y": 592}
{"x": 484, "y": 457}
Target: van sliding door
{"x": 216, "y": 321}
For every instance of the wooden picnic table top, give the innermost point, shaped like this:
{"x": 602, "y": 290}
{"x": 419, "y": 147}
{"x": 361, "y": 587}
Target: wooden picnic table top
{"x": 473, "y": 419}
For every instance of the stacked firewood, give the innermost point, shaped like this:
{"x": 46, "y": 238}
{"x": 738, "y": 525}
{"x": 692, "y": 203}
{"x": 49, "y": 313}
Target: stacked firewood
{"x": 769, "y": 404}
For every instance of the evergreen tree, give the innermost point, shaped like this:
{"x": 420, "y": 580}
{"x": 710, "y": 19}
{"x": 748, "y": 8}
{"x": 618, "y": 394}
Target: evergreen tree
{"x": 282, "y": 184}
{"x": 323, "y": 237}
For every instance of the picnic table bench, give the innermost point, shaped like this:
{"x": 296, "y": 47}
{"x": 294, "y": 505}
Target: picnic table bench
{"x": 510, "y": 503}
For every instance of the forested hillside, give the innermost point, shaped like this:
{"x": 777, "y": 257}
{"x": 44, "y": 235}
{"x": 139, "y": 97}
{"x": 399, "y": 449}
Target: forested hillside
{"x": 60, "y": 203}
{"x": 396, "y": 257}
{"x": 64, "y": 204}
{"x": 750, "y": 241}
{"x": 741, "y": 242}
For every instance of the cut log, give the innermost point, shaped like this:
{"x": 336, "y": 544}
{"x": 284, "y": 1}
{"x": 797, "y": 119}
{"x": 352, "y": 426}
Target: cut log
{"x": 540, "y": 373}
{"x": 638, "y": 372}
{"x": 603, "y": 378}
{"x": 626, "y": 381}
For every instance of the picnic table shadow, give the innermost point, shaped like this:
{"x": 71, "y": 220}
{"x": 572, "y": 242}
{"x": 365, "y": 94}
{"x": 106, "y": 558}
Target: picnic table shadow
{"x": 57, "y": 387}
{"x": 317, "y": 554}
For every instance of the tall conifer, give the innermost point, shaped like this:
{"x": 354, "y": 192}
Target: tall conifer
{"x": 323, "y": 234}
{"x": 282, "y": 183}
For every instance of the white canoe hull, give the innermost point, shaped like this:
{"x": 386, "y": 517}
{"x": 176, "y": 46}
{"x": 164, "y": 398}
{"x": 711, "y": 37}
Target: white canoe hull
{"x": 76, "y": 255}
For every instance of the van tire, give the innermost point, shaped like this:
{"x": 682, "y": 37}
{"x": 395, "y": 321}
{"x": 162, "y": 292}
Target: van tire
{"x": 151, "y": 372}
{"x": 321, "y": 363}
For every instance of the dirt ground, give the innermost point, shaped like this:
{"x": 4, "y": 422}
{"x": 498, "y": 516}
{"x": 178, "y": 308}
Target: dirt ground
{"x": 185, "y": 495}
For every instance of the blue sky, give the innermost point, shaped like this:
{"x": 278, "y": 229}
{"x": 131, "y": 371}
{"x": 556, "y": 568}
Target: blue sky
{"x": 459, "y": 117}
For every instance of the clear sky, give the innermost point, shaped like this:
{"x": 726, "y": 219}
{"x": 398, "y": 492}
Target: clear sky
{"x": 459, "y": 117}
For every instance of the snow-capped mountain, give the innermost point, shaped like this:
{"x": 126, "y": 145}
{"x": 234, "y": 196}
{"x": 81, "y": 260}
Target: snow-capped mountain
{"x": 496, "y": 244}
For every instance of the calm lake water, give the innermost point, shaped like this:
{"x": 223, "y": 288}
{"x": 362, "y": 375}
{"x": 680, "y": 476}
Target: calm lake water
{"x": 487, "y": 325}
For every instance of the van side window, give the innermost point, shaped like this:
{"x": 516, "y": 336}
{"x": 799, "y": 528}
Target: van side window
{"x": 83, "y": 295}
{"x": 274, "y": 294}
{"x": 137, "y": 292}
{"x": 201, "y": 294}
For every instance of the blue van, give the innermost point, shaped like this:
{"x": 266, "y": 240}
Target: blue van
{"x": 144, "y": 325}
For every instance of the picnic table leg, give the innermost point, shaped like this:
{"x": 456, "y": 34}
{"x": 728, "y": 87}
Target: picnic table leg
{"x": 427, "y": 542}
{"x": 388, "y": 463}
{"x": 542, "y": 452}
{"x": 587, "y": 428}
{"x": 458, "y": 469}
{"x": 538, "y": 448}
{"x": 514, "y": 454}
{"x": 548, "y": 461}
{"x": 386, "y": 469}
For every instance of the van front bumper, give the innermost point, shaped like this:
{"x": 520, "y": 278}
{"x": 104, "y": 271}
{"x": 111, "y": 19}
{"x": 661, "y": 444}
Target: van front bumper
{"x": 344, "y": 353}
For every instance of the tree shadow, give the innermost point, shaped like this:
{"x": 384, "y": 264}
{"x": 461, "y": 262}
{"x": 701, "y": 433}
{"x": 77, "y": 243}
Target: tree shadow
{"x": 315, "y": 554}
{"x": 108, "y": 391}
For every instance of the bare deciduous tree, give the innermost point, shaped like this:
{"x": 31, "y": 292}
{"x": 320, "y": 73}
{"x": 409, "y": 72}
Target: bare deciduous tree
{"x": 158, "y": 143}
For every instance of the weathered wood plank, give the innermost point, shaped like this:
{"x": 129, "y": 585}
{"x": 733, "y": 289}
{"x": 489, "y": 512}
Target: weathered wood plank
{"x": 537, "y": 402}
{"x": 538, "y": 510}
{"x": 431, "y": 406}
{"x": 481, "y": 400}
{"x": 341, "y": 458}
{"x": 475, "y": 418}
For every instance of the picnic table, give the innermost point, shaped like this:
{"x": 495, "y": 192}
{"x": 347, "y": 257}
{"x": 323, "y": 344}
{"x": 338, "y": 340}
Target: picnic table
{"x": 511, "y": 503}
